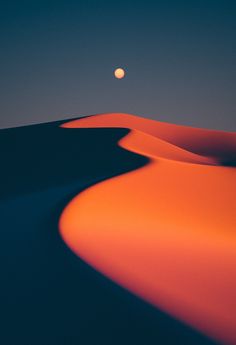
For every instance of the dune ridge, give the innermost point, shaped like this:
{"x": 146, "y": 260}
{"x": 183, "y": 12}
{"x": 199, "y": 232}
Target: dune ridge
{"x": 154, "y": 148}
{"x": 165, "y": 231}
{"x": 213, "y": 144}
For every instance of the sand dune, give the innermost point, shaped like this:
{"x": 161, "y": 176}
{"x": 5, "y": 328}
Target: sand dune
{"x": 210, "y": 143}
{"x": 165, "y": 231}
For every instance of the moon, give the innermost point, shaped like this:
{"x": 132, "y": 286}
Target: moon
{"x": 119, "y": 73}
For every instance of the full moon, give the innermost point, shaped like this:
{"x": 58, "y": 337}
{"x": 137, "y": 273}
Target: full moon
{"x": 119, "y": 73}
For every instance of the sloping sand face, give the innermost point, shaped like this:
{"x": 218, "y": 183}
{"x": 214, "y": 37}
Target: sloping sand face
{"x": 165, "y": 231}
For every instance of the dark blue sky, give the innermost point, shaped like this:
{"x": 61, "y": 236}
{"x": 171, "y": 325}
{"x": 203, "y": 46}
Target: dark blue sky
{"x": 57, "y": 60}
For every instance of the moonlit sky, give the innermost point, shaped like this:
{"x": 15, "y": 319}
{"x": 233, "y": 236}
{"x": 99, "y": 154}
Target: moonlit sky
{"x": 58, "y": 58}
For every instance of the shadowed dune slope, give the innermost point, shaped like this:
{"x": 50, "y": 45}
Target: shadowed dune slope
{"x": 165, "y": 231}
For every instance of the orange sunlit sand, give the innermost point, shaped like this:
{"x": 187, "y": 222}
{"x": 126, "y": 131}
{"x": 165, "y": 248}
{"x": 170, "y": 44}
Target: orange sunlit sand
{"x": 166, "y": 231}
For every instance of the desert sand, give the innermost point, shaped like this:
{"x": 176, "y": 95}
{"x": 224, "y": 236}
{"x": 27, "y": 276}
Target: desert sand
{"x": 165, "y": 231}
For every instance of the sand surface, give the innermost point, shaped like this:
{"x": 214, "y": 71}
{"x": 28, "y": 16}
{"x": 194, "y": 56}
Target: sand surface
{"x": 166, "y": 230}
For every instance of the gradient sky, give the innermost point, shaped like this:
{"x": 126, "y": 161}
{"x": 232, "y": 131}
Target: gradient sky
{"x": 57, "y": 60}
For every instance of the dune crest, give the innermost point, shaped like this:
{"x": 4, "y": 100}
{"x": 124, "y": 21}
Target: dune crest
{"x": 165, "y": 231}
{"x": 217, "y": 145}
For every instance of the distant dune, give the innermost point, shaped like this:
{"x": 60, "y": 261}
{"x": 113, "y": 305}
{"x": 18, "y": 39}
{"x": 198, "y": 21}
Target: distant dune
{"x": 164, "y": 230}
{"x": 210, "y": 144}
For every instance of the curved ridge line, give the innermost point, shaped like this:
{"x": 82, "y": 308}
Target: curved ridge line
{"x": 203, "y": 159}
{"x": 170, "y": 133}
{"x": 199, "y": 158}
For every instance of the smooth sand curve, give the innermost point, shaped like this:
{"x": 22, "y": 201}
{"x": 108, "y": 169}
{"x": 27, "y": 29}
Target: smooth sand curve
{"x": 165, "y": 231}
